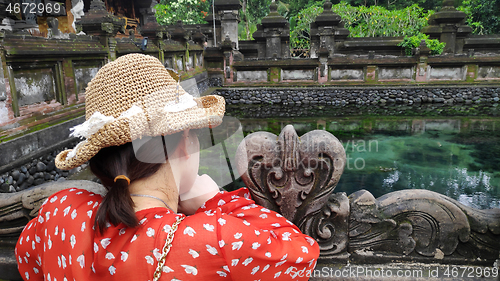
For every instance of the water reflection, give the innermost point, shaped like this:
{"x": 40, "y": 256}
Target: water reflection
{"x": 455, "y": 156}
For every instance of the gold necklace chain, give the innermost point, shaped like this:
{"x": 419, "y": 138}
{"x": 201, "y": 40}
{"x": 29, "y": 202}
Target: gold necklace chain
{"x": 166, "y": 248}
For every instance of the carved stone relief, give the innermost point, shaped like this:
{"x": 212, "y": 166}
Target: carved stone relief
{"x": 288, "y": 175}
{"x": 421, "y": 224}
{"x": 296, "y": 177}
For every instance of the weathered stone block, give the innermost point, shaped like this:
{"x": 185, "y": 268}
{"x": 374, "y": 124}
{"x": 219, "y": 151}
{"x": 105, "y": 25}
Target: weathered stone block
{"x": 274, "y": 74}
{"x": 346, "y": 74}
{"x": 488, "y": 73}
{"x": 83, "y": 75}
{"x": 472, "y": 70}
{"x": 344, "y": 126}
{"x": 447, "y": 73}
{"x": 395, "y": 73}
{"x": 190, "y": 62}
{"x": 255, "y": 75}
{"x": 169, "y": 62}
{"x": 3, "y": 90}
{"x": 179, "y": 63}
{"x": 371, "y": 73}
{"x": 307, "y": 74}
{"x": 443, "y": 125}
{"x": 34, "y": 85}
{"x": 392, "y": 126}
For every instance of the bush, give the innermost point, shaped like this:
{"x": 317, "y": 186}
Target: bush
{"x": 409, "y": 43}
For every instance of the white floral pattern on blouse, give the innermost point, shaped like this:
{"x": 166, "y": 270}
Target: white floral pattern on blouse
{"x": 229, "y": 238}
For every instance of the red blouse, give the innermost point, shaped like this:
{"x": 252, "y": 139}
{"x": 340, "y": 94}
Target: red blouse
{"x": 229, "y": 238}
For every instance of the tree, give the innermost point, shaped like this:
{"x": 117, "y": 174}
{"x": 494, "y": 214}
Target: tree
{"x": 395, "y": 4}
{"x": 482, "y": 15}
{"x": 188, "y": 11}
{"x": 252, "y": 12}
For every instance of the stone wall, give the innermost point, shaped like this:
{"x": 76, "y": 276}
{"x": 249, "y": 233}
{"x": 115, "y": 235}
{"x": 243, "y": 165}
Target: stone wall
{"x": 362, "y": 96}
{"x": 43, "y": 75}
{"x": 36, "y": 172}
{"x": 269, "y": 111}
{"x": 335, "y": 58}
{"x": 366, "y": 69}
{"x": 29, "y": 160}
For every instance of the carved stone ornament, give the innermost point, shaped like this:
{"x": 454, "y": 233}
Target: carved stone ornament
{"x": 20, "y": 207}
{"x": 296, "y": 176}
{"x": 422, "y": 225}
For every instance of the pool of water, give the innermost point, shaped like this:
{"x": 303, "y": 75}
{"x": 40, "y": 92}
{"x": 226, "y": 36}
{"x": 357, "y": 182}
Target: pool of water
{"x": 454, "y": 155}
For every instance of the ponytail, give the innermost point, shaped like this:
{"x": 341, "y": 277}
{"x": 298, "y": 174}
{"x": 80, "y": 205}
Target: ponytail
{"x": 117, "y": 206}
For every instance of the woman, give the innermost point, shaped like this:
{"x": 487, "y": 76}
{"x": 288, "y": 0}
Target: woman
{"x": 159, "y": 219}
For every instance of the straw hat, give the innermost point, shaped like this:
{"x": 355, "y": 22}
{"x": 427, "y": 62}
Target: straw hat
{"x": 135, "y": 96}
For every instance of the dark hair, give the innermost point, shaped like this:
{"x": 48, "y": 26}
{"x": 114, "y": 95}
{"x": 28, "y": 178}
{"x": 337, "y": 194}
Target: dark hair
{"x": 117, "y": 206}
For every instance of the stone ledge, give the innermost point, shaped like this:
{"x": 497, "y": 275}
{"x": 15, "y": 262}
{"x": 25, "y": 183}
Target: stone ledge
{"x": 35, "y": 143}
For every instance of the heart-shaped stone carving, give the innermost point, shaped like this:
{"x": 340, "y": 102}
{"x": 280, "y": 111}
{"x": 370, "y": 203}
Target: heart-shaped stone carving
{"x": 291, "y": 175}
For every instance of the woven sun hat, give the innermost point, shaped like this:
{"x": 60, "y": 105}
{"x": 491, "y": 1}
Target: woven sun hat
{"x": 132, "y": 97}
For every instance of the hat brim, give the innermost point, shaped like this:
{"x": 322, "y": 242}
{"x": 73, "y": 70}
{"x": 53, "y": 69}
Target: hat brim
{"x": 208, "y": 113}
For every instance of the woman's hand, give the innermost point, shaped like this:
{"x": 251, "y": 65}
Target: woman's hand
{"x": 204, "y": 188}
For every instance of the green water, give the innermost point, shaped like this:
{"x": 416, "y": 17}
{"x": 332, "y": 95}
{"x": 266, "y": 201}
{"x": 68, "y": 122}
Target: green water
{"x": 453, "y": 155}
{"x": 437, "y": 161}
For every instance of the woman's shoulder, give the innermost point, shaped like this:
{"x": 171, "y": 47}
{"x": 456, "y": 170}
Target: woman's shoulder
{"x": 74, "y": 197}
{"x": 227, "y": 200}
{"x": 73, "y": 191}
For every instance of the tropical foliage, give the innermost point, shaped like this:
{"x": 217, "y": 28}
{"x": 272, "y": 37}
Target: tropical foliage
{"x": 374, "y": 21}
{"x": 363, "y": 18}
{"x": 409, "y": 43}
{"x": 188, "y": 11}
{"x": 482, "y": 15}
{"x": 251, "y": 14}
{"x": 395, "y": 4}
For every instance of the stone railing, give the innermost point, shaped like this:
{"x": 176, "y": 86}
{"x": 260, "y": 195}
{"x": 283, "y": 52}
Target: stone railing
{"x": 17, "y": 209}
{"x": 296, "y": 177}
